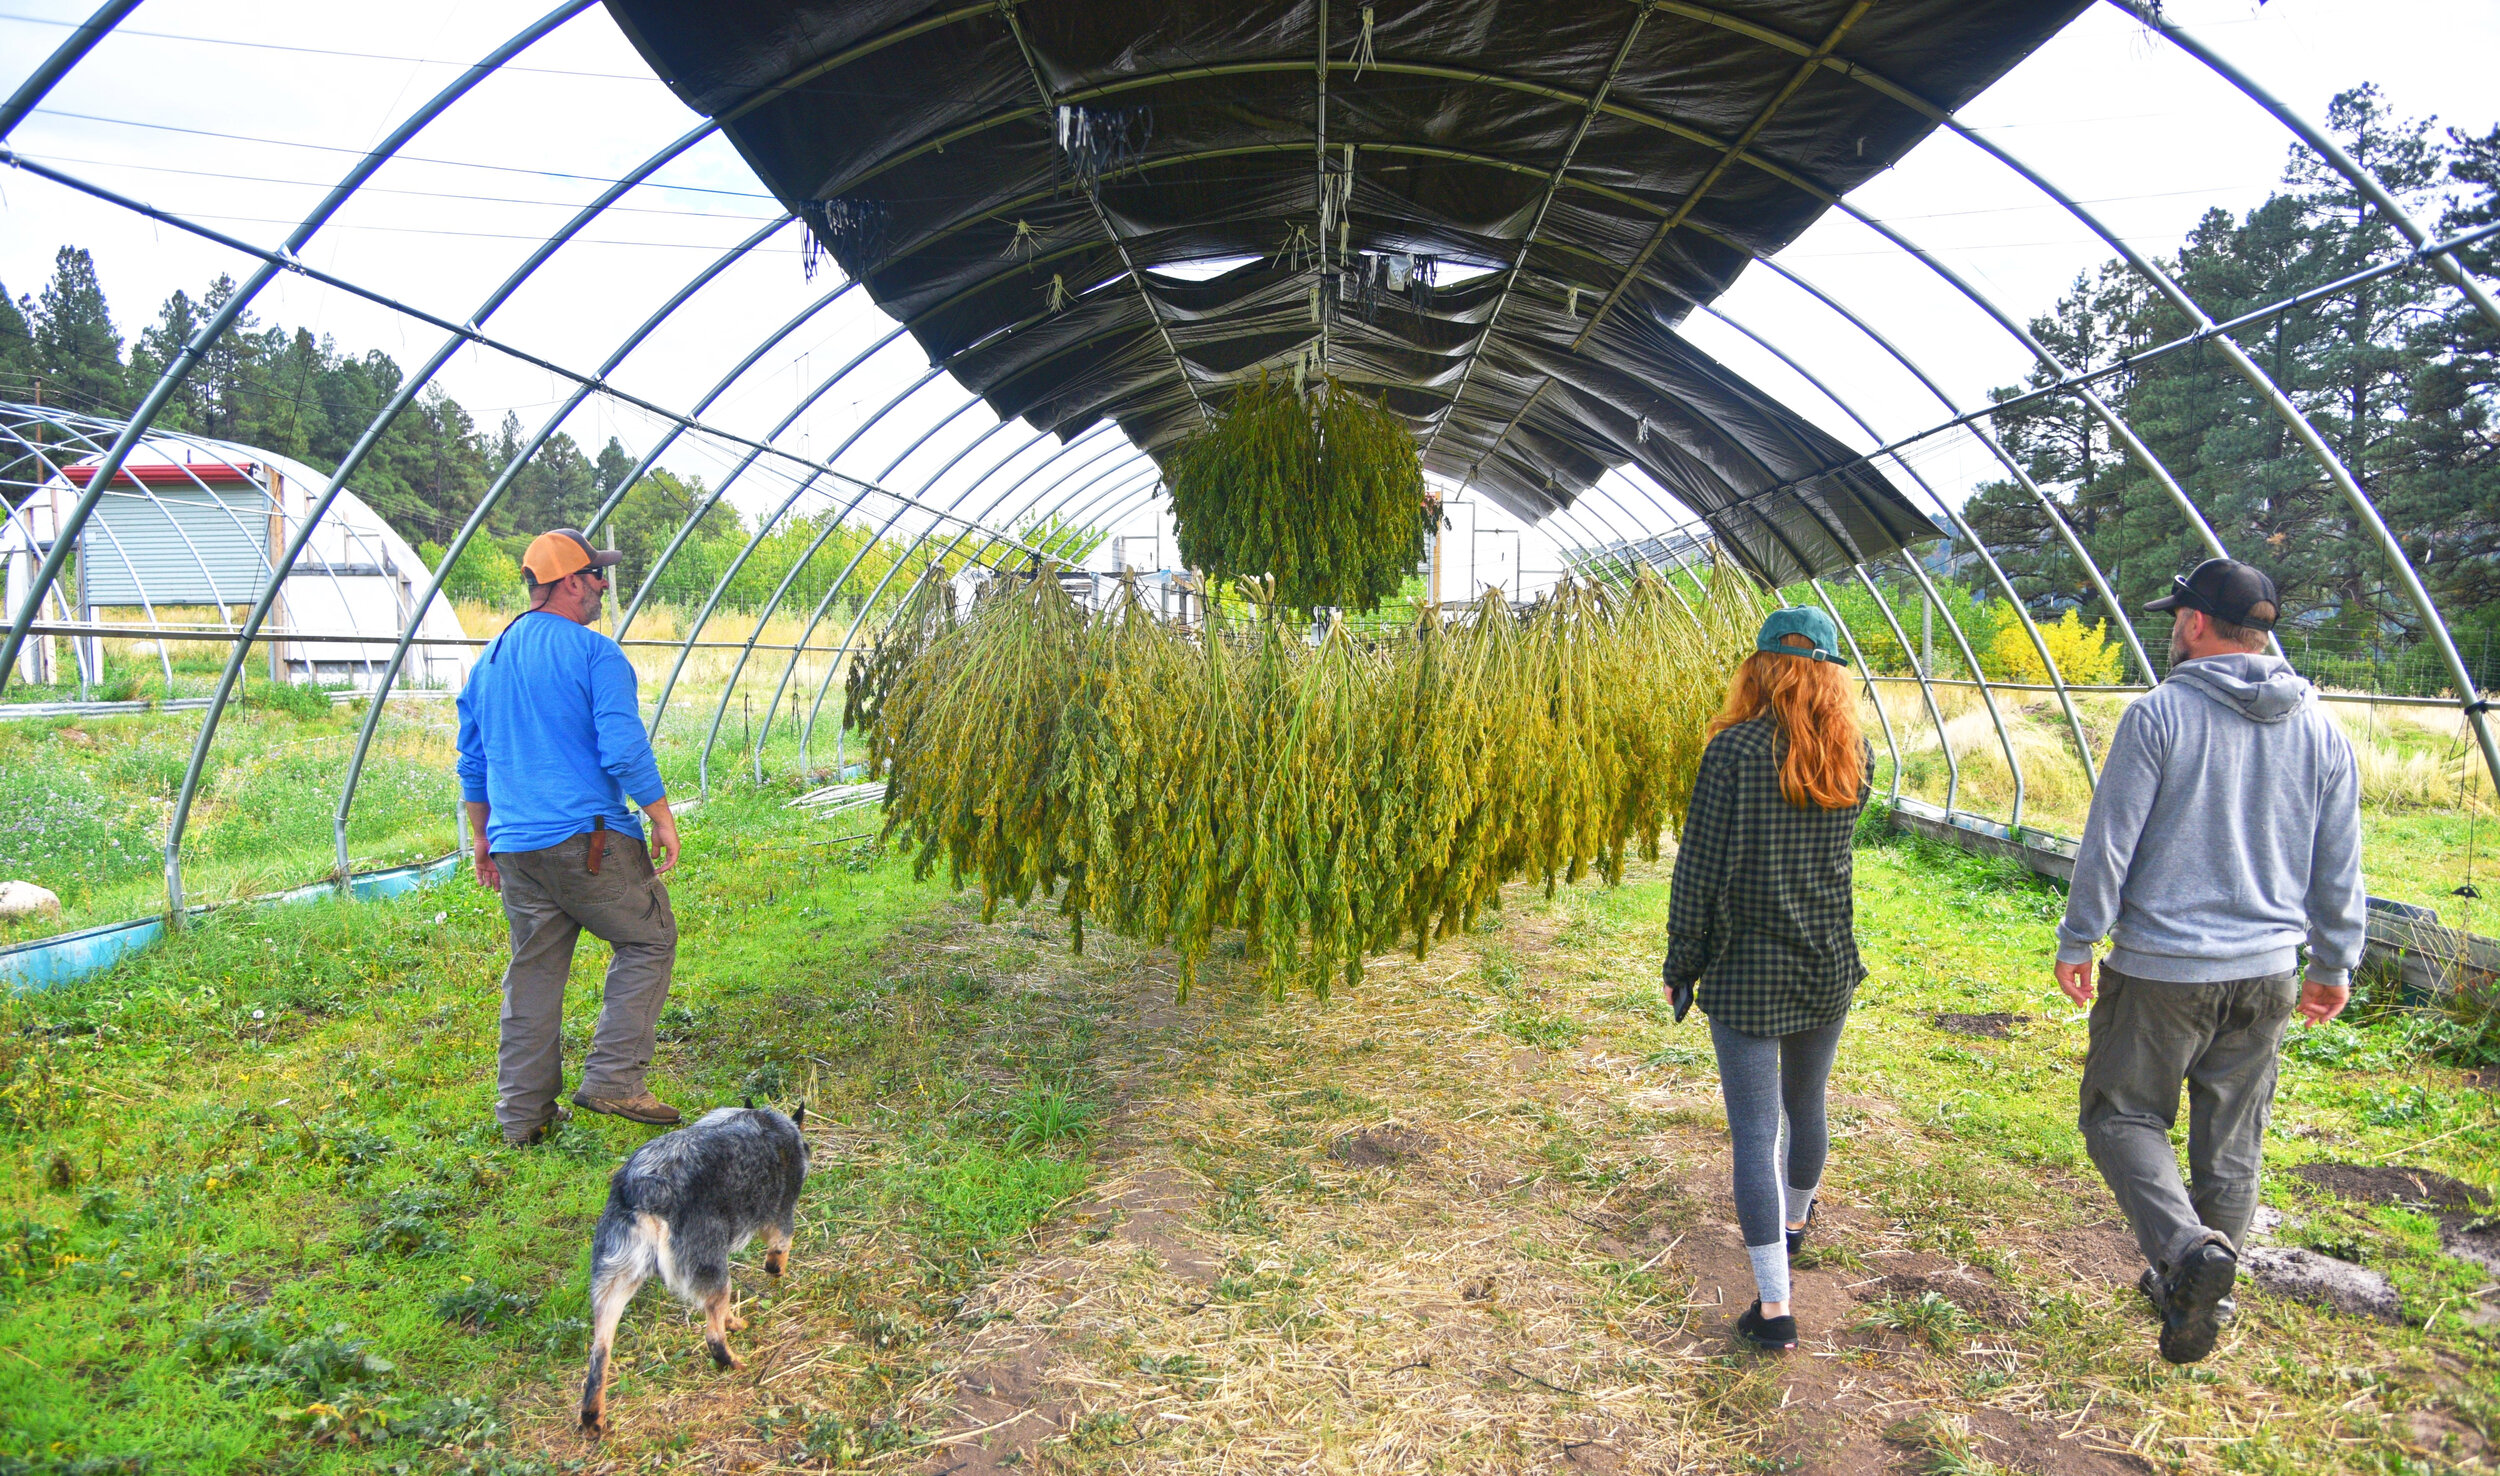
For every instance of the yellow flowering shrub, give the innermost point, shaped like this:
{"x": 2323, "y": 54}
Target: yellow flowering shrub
{"x": 2085, "y": 654}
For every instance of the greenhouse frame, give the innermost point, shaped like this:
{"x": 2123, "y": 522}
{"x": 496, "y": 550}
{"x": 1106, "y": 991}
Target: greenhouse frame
{"x": 1334, "y": 179}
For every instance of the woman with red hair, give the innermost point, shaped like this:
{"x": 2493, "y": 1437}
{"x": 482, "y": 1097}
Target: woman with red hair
{"x": 1762, "y": 919}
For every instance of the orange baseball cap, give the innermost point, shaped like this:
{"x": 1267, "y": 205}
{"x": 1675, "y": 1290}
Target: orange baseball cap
{"x": 551, "y": 556}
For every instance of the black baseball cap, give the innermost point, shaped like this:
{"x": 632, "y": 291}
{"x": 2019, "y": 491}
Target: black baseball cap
{"x": 2228, "y": 590}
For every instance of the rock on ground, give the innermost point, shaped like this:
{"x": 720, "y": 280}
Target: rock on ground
{"x": 25, "y": 899}
{"x": 2306, "y": 1276}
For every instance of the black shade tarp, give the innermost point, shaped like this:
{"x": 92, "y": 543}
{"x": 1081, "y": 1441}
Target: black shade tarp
{"x": 1490, "y": 213}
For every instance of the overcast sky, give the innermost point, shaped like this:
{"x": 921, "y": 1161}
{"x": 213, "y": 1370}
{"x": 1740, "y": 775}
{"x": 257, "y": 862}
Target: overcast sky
{"x": 241, "y": 116}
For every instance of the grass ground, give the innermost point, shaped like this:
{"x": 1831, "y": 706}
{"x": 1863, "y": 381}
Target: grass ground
{"x": 84, "y": 800}
{"x": 1471, "y": 1216}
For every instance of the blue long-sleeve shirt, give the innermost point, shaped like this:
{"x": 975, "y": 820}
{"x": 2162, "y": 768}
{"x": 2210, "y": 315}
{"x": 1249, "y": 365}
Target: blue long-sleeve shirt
{"x": 550, "y": 735}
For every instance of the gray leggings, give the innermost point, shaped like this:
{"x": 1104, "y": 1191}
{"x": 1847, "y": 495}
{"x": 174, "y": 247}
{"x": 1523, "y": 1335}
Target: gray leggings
{"x": 1763, "y": 1078}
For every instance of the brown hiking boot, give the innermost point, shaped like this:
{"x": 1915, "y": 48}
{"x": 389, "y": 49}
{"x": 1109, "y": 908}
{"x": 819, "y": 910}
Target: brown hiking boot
{"x": 641, "y": 1107}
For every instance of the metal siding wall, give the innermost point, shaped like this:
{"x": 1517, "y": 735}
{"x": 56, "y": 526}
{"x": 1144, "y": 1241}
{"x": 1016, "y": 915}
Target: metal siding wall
{"x": 225, "y": 526}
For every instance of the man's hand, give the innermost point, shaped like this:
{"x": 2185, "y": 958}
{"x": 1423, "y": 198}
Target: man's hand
{"x": 2320, "y": 1003}
{"x": 2076, "y": 980}
{"x": 664, "y": 848}
{"x": 489, "y": 875}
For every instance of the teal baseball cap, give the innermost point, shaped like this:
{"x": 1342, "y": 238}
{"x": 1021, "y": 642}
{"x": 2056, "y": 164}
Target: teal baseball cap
{"x": 1807, "y": 621}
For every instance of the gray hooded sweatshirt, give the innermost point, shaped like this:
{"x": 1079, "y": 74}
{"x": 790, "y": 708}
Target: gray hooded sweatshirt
{"x": 2226, "y": 832}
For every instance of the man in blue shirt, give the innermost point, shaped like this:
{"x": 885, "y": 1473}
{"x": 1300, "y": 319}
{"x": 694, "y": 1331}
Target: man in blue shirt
{"x": 551, "y": 747}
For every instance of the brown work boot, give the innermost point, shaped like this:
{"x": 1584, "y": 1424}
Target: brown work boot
{"x": 641, "y": 1107}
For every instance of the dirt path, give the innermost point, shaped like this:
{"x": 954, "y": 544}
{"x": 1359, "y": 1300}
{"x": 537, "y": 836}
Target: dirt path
{"x": 1386, "y": 1235}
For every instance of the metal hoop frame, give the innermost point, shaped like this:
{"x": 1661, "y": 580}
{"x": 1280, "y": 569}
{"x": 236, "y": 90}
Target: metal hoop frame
{"x": 1601, "y": 509}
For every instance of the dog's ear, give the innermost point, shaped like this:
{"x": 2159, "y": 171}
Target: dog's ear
{"x": 798, "y": 1115}
{"x": 750, "y": 1104}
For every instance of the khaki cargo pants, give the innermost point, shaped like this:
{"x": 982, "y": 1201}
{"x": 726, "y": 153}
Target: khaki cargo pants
{"x": 2219, "y": 1040}
{"x": 550, "y": 898}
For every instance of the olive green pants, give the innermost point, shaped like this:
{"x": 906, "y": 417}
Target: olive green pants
{"x": 550, "y": 899}
{"x": 2220, "y": 1040}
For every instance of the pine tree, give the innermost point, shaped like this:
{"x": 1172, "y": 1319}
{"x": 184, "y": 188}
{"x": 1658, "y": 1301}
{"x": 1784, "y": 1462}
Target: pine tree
{"x": 78, "y": 351}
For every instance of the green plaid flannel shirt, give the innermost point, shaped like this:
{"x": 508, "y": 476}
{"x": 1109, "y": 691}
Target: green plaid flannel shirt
{"x": 1762, "y": 914}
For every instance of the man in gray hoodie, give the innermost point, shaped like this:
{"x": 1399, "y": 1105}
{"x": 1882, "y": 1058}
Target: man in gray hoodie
{"x": 2225, "y": 834}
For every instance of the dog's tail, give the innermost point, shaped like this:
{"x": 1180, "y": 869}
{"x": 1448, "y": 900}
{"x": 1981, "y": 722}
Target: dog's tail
{"x": 624, "y": 1252}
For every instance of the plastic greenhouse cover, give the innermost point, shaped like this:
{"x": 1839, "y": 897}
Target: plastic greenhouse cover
{"x": 1004, "y": 178}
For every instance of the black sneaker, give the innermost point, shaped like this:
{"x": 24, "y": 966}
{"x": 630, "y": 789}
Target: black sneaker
{"x": 1767, "y": 1334}
{"x": 2150, "y": 1284}
{"x": 2192, "y": 1311}
{"x": 1797, "y": 1236}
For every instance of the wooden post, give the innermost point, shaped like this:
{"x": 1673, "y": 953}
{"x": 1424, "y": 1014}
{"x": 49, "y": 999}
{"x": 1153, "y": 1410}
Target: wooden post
{"x": 1440, "y": 530}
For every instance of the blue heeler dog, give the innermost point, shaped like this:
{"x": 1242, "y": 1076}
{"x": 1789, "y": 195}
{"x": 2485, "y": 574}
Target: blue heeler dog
{"x": 680, "y": 1208}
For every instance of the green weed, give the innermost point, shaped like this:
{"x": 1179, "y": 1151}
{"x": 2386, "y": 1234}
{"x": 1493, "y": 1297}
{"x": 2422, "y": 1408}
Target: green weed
{"x": 1931, "y": 1317}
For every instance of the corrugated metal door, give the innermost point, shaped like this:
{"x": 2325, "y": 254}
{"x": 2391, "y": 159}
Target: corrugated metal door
{"x": 182, "y": 545}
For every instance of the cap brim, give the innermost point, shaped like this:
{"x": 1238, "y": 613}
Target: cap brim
{"x": 2165, "y": 603}
{"x": 604, "y": 559}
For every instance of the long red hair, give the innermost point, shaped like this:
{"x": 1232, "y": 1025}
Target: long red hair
{"x": 1810, "y": 700}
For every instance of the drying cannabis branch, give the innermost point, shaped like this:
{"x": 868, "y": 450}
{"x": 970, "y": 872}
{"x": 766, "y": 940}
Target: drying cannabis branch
{"x": 1331, "y": 799}
{"x": 1322, "y": 494}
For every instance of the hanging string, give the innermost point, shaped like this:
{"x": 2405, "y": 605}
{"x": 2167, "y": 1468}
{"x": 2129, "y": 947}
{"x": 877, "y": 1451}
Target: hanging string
{"x": 1022, "y": 241}
{"x": 1059, "y": 297}
{"x": 1571, "y": 302}
{"x": 1363, "y": 48}
{"x": 1296, "y": 253}
{"x": 1096, "y": 143}
{"x": 853, "y": 231}
{"x": 811, "y": 242}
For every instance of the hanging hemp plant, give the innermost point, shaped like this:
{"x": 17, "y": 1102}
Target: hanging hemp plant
{"x": 1323, "y": 494}
{"x": 927, "y": 611}
{"x": 1330, "y": 799}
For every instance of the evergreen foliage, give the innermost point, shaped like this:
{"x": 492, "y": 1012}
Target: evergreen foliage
{"x": 1322, "y": 495}
{"x": 1332, "y": 798}
{"x": 2401, "y": 376}
{"x": 305, "y": 397}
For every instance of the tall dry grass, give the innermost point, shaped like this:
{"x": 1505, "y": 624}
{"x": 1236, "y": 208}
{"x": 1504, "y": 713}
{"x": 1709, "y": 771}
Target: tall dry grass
{"x": 2408, "y": 758}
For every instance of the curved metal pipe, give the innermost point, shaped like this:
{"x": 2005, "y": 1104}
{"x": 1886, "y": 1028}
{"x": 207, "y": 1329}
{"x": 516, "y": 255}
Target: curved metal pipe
{"x": 2048, "y": 662}
{"x": 764, "y": 525}
{"x": 65, "y": 537}
{"x": 841, "y": 735}
{"x": 650, "y": 579}
{"x": 642, "y": 468}
{"x": 839, "y": 652}
{"x": 901, "y": 506}
{"x": 64, "y": 58}
{"x": 798, "y": 650}
{"x": 17, "y": 513}
{"x": 763, "y": 617}
{"x": 2362, "y": 504}
{"x": 1867, "y": 674}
